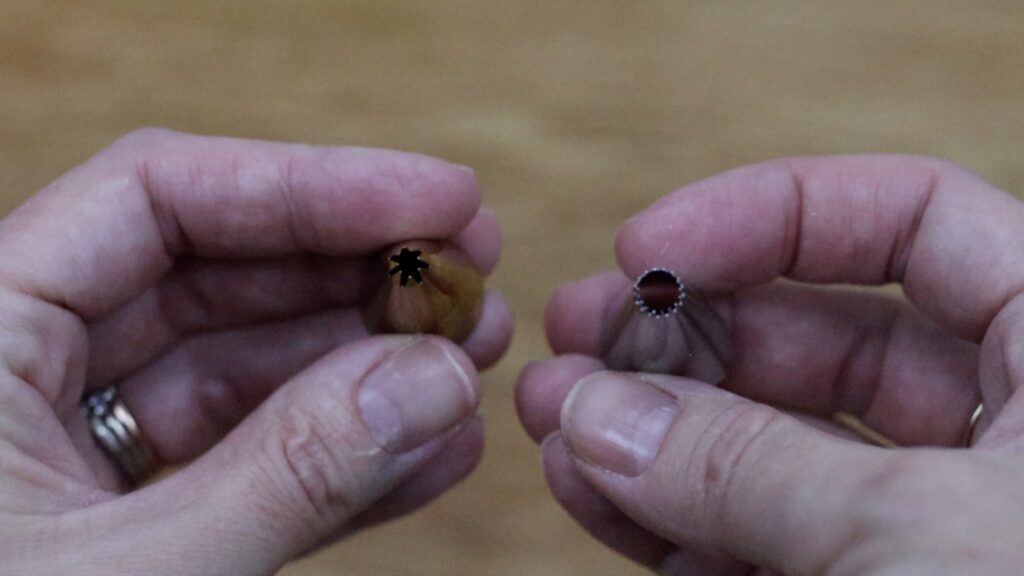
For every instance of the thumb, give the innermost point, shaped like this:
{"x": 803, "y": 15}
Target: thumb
{"x": 328, "y": 444}
{"x": 701, "y": 466}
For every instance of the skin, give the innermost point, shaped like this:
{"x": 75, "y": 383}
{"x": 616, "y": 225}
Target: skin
{"x": 217, "y": 282}
{"x": 225, "y": 307}
{"x": 752, "y": 477}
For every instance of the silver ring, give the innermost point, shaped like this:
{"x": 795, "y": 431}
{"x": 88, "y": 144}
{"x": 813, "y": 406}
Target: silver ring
{"x": 972, "y": 425}
{"x": 118, "y": 435}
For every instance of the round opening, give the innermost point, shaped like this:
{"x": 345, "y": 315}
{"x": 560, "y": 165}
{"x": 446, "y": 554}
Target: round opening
{"x": 658, "y": 292}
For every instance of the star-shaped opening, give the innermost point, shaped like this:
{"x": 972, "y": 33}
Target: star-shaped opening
{"x": 408, "y": 263}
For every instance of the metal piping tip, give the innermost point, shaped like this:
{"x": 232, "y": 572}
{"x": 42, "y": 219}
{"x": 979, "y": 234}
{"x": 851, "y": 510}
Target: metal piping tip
{"x": 662, "y": 326}
{"x": 652, "y": 281}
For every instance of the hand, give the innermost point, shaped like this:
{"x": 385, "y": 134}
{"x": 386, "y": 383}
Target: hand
{"x": 690, "y": 479}
{"x": 217, "y": 282}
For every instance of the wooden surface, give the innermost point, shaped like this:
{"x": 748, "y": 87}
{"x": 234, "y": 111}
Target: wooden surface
{"x": 574, "y": 114}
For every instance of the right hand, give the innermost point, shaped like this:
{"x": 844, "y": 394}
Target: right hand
{"x": 692, "y": 479}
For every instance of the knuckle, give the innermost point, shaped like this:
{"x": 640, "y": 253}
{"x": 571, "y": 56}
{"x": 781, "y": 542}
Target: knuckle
{"x": 302, "y": 222}
{"x": 1004, "y": 338}
{"x": 60, "y": 328}
{"x": 66, "y": 338}
{"x": 314, "y": 477}
{"x": 142, "y": 137}
{"x": 21, "y": 399}
{"x": 1007, "y": 328}
{"x": 28, "y": 326}
{"x": 1006, "y": 324}
{"x": 219, "y": 402}
{"x": 729, "y": 448}
{"x": 394, "y": 176}
{"x": 946, "y": 166}
{"x": 136, "y": 150}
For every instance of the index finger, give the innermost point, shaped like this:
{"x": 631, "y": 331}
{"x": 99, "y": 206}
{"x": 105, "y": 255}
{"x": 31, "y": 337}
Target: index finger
{"x": 949, "y": 237}
{"x": 109, "y": 228}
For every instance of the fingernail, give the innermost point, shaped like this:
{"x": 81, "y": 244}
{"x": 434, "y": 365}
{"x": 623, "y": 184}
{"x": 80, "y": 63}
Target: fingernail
{"x": 547, "y": 441}
{"x": 617, "y": 422}
{"x": 416, "y": 393}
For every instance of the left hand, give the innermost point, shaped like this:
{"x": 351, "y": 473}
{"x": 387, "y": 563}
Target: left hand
{"x": 218, "y": 281}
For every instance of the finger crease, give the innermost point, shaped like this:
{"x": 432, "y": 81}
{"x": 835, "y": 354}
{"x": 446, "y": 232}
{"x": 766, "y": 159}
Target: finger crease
{"x": 181, "y": 292}
{"x": 794, "y": 224}
{"x": 172, "y": 234}
{"x": 871, "y": 389}
{"x": 903, "y": 245}
{"x": 310, "y": 241}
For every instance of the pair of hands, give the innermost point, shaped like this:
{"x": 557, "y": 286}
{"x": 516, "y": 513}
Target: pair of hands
{"x": 217, "y": 282}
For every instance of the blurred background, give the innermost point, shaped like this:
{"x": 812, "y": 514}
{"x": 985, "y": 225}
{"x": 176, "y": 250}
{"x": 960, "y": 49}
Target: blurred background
{"x": 574, "y": 114}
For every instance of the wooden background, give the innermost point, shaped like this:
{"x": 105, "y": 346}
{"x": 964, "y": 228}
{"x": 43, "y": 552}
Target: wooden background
{"x": 575, "y": 115}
